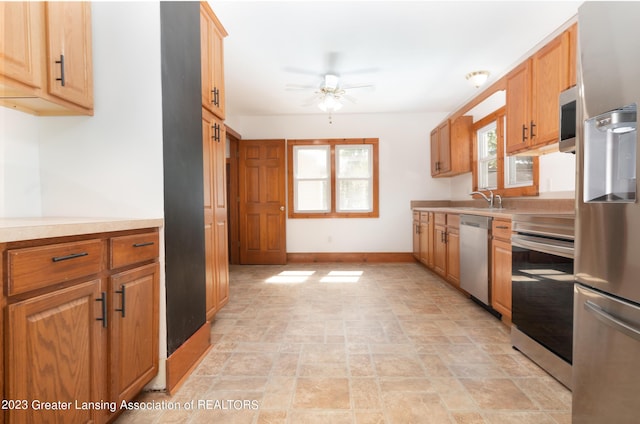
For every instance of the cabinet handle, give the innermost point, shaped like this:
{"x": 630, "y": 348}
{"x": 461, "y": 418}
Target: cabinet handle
{"x": 218, "y": 133}
{"x": 148, "y": 243}
{"x": 103, "y": 299}
{"x": 121, "y": 292}
{"x": 61, "y": 62}
{"x": 446, "y": 238}
{"x": 67, "y": 257}
{"x": 524, "y": 132}
{"x": 532, "y": 126}
{"x": 216, "y": 97}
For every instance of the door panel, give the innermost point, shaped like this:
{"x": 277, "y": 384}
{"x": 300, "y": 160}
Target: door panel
{"x": 262, "y": 202}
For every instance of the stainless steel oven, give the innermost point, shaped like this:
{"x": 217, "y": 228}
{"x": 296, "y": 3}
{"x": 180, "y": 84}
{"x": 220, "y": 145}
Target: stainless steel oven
{"x": 542, "y": 291}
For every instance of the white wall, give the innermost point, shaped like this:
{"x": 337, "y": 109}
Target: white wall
{"x": 111, "y": 164}
{"x": 404, "y": 176}
{"x": 19, "y": 165}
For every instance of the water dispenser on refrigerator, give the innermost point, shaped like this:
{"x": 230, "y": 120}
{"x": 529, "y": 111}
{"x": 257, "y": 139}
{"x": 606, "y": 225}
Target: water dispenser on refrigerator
{"x": 610, "y": 156}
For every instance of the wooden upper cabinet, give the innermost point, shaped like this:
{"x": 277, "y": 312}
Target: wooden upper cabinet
{"x": 518, "y": 104}
{"x": 70, "y": 75}
{"x": 532, "y": 95}
{"x": 20, "y": 50}
{"x": 451, "y": 147}
{"x": 46, "y": 57}
{"x": 212, "y": 34}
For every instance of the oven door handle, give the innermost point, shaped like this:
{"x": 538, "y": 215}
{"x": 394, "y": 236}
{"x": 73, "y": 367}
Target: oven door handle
{"x": 549, "y": 246}
{"x": 612, "y": 321}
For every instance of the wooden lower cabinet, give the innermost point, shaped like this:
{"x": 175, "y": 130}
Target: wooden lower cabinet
{"x": 440, "y": 250}
{"x": 88, "y": 337}
{"x": 416, "y": 235}
{"x": 501, "y": 267}
{"x": 501, "y": 277}
{"x": 453, "y": 256}
{"x": 55, "y": 354}
{"x": 133, "y": 341}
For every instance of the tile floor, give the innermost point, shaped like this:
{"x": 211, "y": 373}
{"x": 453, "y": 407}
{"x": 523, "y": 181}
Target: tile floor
{"x": 358, "y": 343}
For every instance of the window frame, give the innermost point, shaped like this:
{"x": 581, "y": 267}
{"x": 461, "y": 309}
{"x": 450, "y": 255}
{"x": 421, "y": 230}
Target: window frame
{"x": 530, "y": 190}
{"x": 333, "y": 212}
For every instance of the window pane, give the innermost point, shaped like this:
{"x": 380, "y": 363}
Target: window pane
{"x": 487, "y": 141}
{"x": 519, "y": 171}
{"x": 353, "y": 161}
{"x": 488, "y": 174}
{"x": 311, "y": 162}
{"x": 354, "y": 195}
{"x": 312, "y": 195}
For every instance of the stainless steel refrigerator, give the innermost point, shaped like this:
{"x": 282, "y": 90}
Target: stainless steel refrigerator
{"x": 606, "y": 339}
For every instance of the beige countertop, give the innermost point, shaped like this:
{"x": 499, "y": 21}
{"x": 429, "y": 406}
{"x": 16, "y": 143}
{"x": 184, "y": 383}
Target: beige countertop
{"x": 15, "y": 229}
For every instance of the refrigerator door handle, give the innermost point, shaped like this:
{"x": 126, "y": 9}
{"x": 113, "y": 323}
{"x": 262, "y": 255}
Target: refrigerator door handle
{"x": 611, "y": 320}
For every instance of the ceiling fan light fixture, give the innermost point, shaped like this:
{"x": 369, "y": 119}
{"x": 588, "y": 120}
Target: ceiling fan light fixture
{"x": 477, "y": 78}
{"x": 329, "y": 103}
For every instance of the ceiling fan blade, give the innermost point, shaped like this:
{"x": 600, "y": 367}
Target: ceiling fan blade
{"x": 302, "y": 71}
{"x": 293, "y": 87}
{"x": 355, "y": 86}
{"x": 350, "y": 98}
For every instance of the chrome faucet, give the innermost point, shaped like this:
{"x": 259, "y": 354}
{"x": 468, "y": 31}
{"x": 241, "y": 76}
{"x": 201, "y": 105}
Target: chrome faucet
{"x": 484, "y": 196}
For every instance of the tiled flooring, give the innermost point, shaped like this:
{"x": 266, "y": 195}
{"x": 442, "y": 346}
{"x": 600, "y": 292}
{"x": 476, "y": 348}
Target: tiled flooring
{"x": 322, "y": 343}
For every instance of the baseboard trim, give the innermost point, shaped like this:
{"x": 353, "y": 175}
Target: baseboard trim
{"x": 373, "y": 257}
{"x": 184, "y": 360}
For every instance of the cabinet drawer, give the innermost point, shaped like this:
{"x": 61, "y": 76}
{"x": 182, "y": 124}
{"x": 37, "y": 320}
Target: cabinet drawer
{"x": 440, "y": 218}
{"x": 36, "y": 267}
{"x": 127, "y": 250}
{"x": 424, "y": 217}
{"x": 453, "y": 221}
{"x": 416, "y": 216}
{"x": 501, "y": 230}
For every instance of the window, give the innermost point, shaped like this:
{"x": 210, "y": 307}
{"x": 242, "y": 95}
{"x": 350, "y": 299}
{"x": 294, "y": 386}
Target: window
{"x": 333, "y": 178}
{"x": 493, "y": 170}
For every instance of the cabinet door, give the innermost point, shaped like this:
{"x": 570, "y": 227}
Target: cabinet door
{"x": 434, "y": 152}
{"x": 501, "y": 277}
{"x": 212, "y": 61}
{"x": 70, "y": 71}
{"x": 550, "y": 77}
{"x": 518, "y": 98}
{"x": 439, "y": 251}
{"x": 57, "y": 334}
{"x": 430, "y": 242}
{"x": 453, "y": 257}
{"x": 21, "y": 44}
{"x": 424, "y": 243}
{"x": 133, "y": 337}
{"x": 444, "y": 147}
{"x": 221, "y": 247}
{"x": 416, "y": 238}
{"x": 207, "y": 157}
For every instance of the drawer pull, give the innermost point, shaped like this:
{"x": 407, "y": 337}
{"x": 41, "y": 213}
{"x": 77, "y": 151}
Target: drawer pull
{"x": 502, "y": 227}
{"x": 148, "y": 243}
{"x": 122, "y": 299}
{"x": 103, "y": 299}
{"x": 67, "y": 257}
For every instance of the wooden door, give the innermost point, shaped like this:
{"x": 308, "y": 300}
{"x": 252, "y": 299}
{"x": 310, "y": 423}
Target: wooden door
{"x": 56, "y": 334}
{"x": 69, "y": 43}
{"x": 21, "y": 46}
{"x": 518, "y": 98}
{"x": 501, "y": 277}
{"x": 444, "y": 147}
{"x": 134, "y": 299}
{"x": 262, "y": 202}
{"x": 550, "y": 77}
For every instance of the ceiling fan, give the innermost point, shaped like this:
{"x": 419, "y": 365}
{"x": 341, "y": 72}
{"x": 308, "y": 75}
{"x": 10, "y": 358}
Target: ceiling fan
{"x": 329, "y": 95}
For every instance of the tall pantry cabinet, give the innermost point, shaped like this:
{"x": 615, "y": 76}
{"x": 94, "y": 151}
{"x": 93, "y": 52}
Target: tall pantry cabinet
{"x": 212, "y": 34}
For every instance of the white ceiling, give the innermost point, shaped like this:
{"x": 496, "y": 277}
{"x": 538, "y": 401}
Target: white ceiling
{"x": 415, "y": 53}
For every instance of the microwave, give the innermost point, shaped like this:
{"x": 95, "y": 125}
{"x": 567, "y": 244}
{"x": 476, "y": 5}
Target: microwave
{"x": 568, "y": 104}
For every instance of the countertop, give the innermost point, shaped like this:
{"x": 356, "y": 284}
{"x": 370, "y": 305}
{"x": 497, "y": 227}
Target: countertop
{"x": 505, "y": 213}
{"x": 15, "y": 229}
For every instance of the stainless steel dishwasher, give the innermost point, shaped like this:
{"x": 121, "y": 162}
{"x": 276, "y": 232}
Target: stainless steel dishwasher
{"x": 475, "y": 239}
